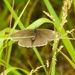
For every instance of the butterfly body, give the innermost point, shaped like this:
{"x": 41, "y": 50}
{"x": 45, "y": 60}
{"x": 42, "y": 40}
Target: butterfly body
{"x": 39, "y": 37}
{"x": 33, "y": 33}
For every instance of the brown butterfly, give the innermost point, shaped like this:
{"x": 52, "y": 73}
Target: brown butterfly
{"x": 40, "y": 37}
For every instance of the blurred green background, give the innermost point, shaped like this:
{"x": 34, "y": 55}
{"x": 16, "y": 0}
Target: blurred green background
{"x": 25, "y": 58}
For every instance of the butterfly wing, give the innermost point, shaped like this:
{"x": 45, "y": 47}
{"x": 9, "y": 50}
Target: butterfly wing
{"x": 39, "y": 40}
{"x": 27, "y": 42}
{"x": 49, "y": 34}
{"x": 43, "y": 36}
{"x": 19, "y": 36}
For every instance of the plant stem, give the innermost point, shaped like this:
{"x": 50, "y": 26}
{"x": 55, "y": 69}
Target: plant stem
{"x": 53, "y": 63}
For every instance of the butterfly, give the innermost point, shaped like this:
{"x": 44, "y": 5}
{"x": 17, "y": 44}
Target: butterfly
{"x": 38, "y": 37}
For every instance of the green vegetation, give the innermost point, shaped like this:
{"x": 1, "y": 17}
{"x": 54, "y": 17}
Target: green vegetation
{"x": 55, "y": 58}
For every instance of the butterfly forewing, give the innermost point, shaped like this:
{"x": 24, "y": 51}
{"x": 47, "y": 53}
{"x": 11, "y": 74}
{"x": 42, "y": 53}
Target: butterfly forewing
{"x": 49, "y": 35}
{"x": 21, "y": 34}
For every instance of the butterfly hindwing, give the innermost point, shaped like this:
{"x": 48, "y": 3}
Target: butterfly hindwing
{"x": 25, "y": 42}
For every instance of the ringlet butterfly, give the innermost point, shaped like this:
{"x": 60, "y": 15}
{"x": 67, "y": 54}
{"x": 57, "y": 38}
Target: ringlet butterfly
{"x": 40, "y": 37}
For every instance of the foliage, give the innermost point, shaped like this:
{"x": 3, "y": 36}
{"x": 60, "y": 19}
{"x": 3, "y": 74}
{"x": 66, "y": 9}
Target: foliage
{"x": 30, "y": 14}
